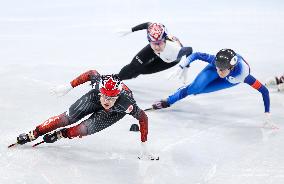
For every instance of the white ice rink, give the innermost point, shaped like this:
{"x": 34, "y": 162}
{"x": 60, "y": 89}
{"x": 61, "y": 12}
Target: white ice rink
{"x": 206, "y": 139}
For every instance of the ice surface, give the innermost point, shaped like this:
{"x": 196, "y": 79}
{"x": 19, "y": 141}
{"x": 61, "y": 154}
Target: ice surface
{"x": 213, "y": 138}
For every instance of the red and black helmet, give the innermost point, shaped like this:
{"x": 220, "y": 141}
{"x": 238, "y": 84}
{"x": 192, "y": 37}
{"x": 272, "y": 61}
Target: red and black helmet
{"x": 110, "y": 85}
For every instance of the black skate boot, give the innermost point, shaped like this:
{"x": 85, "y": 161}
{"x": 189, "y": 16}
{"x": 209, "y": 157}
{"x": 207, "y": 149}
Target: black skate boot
{"x": 55, "y": 136}
{"x": 25, "y": 138}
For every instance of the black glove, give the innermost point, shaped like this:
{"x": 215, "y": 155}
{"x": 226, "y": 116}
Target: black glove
{"x": 160, "y": 104}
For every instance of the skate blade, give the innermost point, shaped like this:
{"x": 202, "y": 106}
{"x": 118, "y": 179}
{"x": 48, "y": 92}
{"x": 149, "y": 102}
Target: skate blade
{"x": 12, "y": 145}
{"x": 38, "y": 143}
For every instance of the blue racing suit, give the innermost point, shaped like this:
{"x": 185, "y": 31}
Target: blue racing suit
{"x": 208, "y": 79}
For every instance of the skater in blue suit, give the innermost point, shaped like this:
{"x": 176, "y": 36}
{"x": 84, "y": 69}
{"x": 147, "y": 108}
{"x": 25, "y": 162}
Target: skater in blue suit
{"x": 224, "y": 70}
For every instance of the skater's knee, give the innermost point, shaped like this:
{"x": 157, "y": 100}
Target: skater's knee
{"x": 88, "y": 126}
{"x": 77, "y": 131}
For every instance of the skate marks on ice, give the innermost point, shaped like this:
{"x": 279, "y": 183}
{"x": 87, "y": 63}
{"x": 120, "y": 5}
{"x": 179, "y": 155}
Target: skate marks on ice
{"x": 178, "y": 163}
{"x": 180, "y": 160}
{"x": 203, "y": 155}
{"x": 50, "y": 162}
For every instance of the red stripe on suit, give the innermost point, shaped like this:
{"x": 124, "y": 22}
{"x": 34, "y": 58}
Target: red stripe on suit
{"x": 256, "y": 85}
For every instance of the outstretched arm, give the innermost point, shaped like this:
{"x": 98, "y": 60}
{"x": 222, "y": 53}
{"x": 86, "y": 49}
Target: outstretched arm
{"x": 198, "y": 56}
{"x": 140, "y": 115}
{"x": 124, "y": 32}
{"x": 143, "y": 121}
{"x": 61, "y": 90}
{"x": 141, "y": 26}
{"x": 268, "y": 122}
{"x": 262, "y": 89}
{"x": 184, "y": 51}
{"x": 91, "y": 75}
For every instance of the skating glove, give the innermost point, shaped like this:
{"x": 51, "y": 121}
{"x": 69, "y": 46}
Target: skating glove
{"x": 180, "y": 72}
{"x": 144, "y": 153}
{"x": 61, "y": 90}
{"x": 268, "y": 122}
{"x": 161, "y": 104}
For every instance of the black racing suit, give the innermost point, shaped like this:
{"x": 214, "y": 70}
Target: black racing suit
{"x": 89, "y": 104}
{"x": 147, "y": 62}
